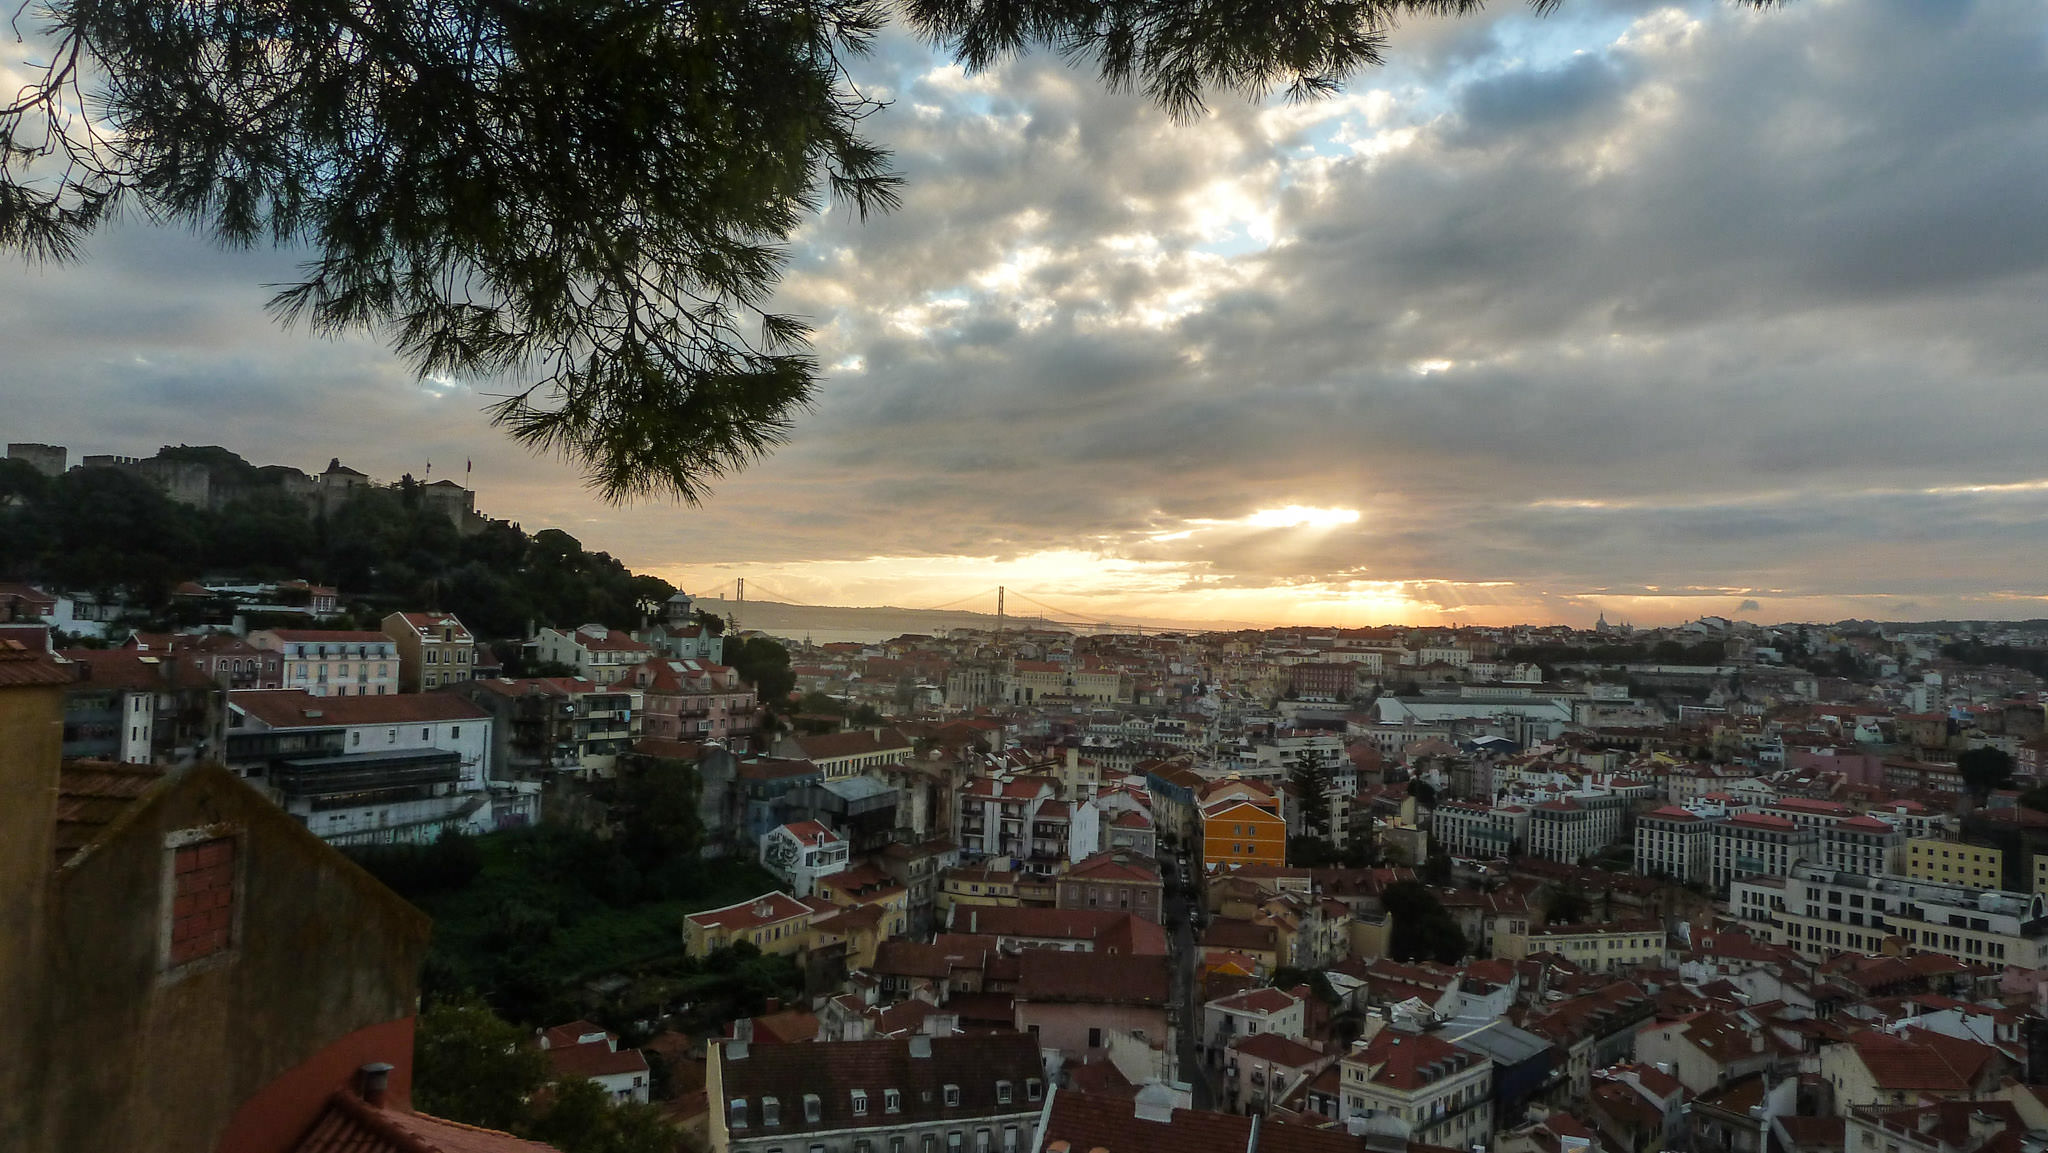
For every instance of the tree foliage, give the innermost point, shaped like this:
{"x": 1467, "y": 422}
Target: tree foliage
{"x": 1985, "y": 768}
{"x": 1313, "y": 777}
{"x": 472, "y": 1067}
{"x": 584, "y": 200}
{"x": 109, "y": 530}
{"x": 1422, "y": 928}
{"x": 764, "y": 662}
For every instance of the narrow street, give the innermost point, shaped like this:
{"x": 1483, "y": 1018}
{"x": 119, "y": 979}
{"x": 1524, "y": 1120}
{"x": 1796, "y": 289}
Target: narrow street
{"x": 1187, "y": 1012}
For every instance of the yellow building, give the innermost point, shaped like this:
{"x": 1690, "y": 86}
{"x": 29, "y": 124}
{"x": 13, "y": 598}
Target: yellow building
{"x": 773, "y": 923}
{"x": 975, "y": 886}
{"x": 866, "y": 886}
{"x": 1954, "y": 863}
{"x": 1596, "y": 948}
{"x": 1239, "y": 832}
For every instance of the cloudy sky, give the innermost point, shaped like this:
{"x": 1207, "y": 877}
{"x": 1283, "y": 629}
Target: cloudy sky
{"x": 1657, "y": 310}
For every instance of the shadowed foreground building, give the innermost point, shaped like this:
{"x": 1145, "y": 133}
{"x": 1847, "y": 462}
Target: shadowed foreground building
{"x": 183, "y": 966}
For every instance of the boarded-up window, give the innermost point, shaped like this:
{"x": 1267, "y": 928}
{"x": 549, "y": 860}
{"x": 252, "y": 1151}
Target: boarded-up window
{"x": 203, "y": 907}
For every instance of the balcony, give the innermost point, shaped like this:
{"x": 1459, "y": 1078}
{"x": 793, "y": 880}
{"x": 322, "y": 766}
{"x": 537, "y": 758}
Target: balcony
{"x": 349, "y": 779}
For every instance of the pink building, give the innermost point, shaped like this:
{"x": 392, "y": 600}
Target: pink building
{"x": 1075, "y": 1002}
{"x": 694, "y": 700}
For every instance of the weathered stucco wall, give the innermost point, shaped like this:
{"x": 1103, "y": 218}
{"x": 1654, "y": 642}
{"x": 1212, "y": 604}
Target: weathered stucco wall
{"x": 31, "y": 738}
{"x": 130, "y": 1055}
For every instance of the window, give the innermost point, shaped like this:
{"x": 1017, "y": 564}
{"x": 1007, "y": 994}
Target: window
{"x": 426, "y": 734}
{"x": 771, "y": 1111}
{"x": 896, "y": 1144}
{"x": 811, "y": 1108}
{"x": 1009, "y": 1139}
{"x": 1095, "y": 1038}
{"x": 952, "y": 1095}
{"x": 202, "y": 920}
{"x": 860, "y": 1103}
{"x": 739, "y": 1113}
{"x": 981, "y": 1140}
{"x": 1002, "y": 1092}
{"x": 955, "y": 1141}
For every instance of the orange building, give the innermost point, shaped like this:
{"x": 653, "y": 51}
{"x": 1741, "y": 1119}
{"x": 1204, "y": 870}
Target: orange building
{"x": 1241, "y": 831}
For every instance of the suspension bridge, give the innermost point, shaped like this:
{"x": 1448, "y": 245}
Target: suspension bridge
{"x": 992, "y": 601}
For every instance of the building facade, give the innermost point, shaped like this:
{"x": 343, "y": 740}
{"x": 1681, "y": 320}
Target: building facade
{"x": 333, "y": 662}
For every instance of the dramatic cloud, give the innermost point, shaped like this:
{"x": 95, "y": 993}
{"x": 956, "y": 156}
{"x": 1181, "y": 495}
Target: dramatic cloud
{"x": 1656, "y": 309}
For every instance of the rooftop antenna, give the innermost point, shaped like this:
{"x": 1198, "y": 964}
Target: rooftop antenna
{"x": 999, "y": 619}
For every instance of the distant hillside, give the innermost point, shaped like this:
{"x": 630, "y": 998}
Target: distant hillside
{"x": 825, "y": 624}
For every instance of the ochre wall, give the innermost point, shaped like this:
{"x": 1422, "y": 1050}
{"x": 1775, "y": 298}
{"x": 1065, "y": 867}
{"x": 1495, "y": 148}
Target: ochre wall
{"x": 31, "y": 741}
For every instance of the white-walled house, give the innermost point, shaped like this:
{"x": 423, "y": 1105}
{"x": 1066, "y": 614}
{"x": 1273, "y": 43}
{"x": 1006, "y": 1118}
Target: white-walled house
{"x": 801, "y": 852}
{"x": 583, "y": 1050}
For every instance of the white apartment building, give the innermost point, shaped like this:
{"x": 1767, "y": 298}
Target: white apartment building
{"x": 1434, "y": 1092}
{"x": 801, "y": 852}
{"x": 1848, "y": 839}
{"x": 1676, "y": 842}
{"x": 1249, "y": 1014}
{"x": 1477, "y": 829}
{"x": 1826, "y": 911}
{"x": 1760, "y": 843}
{"x": 365, "y": 770}
{"x": 1575, "y": 825}
{"x": 333, "y": 662}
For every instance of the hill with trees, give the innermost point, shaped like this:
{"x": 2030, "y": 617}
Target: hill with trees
{"x": 111, "y": 532}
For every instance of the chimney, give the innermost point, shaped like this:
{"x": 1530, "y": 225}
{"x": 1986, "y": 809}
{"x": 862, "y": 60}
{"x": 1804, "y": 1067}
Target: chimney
{"x": 1155, "y": 1103}
{"x": 373, "y": 1082}
{"x": 773, "y": 1006}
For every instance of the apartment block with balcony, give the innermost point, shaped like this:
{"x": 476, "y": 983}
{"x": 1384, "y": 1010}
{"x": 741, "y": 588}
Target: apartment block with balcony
{"x": 371, "y": 770}
{"x": 1826, "y": 911}
{"x": 1675, "y": 842}
{"x": 549, "y": 725}
{"x": 1749, "y": 843}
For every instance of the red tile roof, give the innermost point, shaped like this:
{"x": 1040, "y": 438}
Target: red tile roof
{"x": 1064, "y": 977}
{"x": 1277, "y": 1049}
{"x": 595, "y": 1059}
{"x": 1402, "y": 1060}
{"x": 860, "y": 742}
{"x": 92, "y": 795}
{"x": 331, "y": 636}
{"x": 765, "y": 909}
{"x": 832, "y": 1070}
{"x": 1262, "y": 1001}
{"x": 350, "y": 1126}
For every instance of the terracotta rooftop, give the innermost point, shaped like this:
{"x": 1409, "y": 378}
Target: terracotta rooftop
{"x": 1263, "y": 1001}
{"x": 1277, "y": 1049}
{"x": 765, "y": 909}
{"x": 1059, "y": 975}
{"x": 594, "y": 1059}
{"x": 93, "y": 794}
{"x": 831, "y": 1071}
{"x": 350, "y": 1126}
